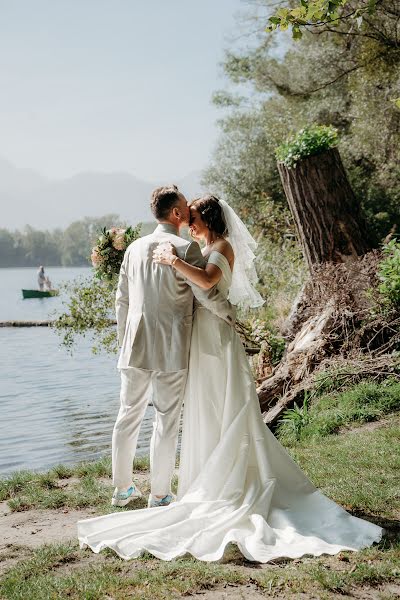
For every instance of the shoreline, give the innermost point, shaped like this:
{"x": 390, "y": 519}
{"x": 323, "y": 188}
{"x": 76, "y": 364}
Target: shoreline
{"x": 88, "y": 266}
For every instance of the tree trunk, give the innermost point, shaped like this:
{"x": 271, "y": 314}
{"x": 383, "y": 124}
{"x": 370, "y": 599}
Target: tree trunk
{"x": 331, "y": 229}
{"x": 327, "y": 214}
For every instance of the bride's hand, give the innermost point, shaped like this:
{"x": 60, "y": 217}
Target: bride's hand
{"x": 165, "y": 254}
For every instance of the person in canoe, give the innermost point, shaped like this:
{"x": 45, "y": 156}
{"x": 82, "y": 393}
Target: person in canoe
{"x": 41, "y": 278}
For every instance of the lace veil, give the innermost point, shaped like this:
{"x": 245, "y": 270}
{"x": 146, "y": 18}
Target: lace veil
{"x": 244, "y": 276}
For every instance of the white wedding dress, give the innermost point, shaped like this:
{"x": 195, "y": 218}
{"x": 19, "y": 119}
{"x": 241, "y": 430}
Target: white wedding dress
{"x": 236, "y": 482}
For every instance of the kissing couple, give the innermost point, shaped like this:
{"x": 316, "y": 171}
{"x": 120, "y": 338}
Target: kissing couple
{"x": 237, "y": 484}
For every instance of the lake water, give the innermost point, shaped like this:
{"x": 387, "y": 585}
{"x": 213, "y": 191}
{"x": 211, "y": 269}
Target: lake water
{"x": 54, "y": 407}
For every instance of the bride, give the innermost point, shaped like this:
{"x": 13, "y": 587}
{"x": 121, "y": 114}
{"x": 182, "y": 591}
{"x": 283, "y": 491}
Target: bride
{"x": 236, "y": 482}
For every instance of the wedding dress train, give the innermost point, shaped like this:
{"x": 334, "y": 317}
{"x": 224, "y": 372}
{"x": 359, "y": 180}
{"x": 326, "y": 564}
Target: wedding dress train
{"x": 236, "y": 482}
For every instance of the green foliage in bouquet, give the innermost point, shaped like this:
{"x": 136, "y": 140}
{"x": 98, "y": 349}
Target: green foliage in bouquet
{"x": 389, "y": 274}
{"x": 108, "y": 253}
{"x": 90, "y": 302}
{"x": 309, "y": 141}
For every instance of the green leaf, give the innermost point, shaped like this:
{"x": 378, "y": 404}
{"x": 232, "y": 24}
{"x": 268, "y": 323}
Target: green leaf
{"x": 296, "y": 33}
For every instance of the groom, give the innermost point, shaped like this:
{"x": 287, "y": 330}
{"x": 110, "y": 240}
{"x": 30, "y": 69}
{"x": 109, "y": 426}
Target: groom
{"x": 154, "y": 307}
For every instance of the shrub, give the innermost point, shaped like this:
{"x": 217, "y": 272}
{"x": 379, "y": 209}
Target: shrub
{"x": 307, "y": 142}
{"x": 294, "y": 420}
{"x": 389, "y": 274}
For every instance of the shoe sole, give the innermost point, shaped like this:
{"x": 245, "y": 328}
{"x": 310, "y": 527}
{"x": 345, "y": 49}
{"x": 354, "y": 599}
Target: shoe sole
{"x": 115, "y": 502}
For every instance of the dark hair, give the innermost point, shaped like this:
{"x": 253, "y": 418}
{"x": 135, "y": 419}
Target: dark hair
{"x": 163, "y": 200}
{"x": 211, "y": 213}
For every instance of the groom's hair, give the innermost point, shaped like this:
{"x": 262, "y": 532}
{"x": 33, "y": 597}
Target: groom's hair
{"x": 163, "y": 200}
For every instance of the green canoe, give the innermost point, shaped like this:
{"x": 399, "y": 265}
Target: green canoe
{"x": 39, "y": 293}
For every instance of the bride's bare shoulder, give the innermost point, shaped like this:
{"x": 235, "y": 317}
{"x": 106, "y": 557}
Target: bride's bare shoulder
{"x": 225, "y": 248}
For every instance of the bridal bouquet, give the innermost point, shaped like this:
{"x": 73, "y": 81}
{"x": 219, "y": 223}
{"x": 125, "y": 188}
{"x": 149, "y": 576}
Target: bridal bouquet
{"x": 108, "y": 253}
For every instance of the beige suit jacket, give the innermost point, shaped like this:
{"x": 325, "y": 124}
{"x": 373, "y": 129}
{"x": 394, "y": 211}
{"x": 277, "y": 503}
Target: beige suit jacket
{"x": 154, "y": 304}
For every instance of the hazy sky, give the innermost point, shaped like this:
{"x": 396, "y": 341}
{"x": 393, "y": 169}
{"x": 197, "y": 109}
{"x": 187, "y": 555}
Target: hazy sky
{"x": 111, "y": 85}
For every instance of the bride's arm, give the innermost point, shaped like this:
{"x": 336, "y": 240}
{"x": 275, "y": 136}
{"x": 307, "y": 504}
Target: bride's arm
{"x": 204, "y": 278}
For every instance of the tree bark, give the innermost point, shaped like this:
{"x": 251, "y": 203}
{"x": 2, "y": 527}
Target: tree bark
{"x": 327, "y": 215}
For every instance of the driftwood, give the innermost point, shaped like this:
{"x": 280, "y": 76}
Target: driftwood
{"x": 297, "y": 364}
{"x": 335, "y": 325}
{"x": 250, "y": 347}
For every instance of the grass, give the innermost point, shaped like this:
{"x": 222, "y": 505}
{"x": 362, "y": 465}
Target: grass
{"x": 364, "y": 402}
{"x": 358, "y": 468}
{"x": 334, "y": 463}
{"x": 57, "y": 571}
{"x": 25, "y": 490}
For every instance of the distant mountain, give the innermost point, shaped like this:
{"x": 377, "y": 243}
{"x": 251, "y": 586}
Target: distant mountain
{"x": 15, "y": 180}
{"x": 26, "y": 197}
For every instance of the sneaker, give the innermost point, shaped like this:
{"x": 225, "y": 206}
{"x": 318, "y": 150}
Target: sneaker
{"x": 123, "y": 498}
{"x": 153, "y": 502}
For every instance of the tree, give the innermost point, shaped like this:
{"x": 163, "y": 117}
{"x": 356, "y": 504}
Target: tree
{"x": 80, "y": 236}
{"x": 341, "y": 76}
{"x": 335, "y": 15}
{"x": 90, "y": 302}
{"x": 38, "y": 247}
{"x": 329, "y": 222}
{"x": 9, "y": 252}
{"x": 72, "y": 247}
{"x": 345, "y": 78}
{"x": 336, "y": 310}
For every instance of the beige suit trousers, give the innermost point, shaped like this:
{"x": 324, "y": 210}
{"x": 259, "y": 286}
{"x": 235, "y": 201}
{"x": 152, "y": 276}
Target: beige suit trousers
{"x": 166, "y": 390}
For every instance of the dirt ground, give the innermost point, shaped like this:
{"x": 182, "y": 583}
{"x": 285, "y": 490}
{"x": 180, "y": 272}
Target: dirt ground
{"x": 33, "y": 528}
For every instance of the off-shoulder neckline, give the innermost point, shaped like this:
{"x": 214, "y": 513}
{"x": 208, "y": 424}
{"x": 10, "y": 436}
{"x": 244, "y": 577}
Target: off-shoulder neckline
{"x": 220, "y": 253}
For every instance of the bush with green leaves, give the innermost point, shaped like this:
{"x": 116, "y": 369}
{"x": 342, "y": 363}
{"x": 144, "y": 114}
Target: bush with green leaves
{"x": 294, "y": 420}
{"x": 307, "y": 142}
{"x": 389, "y": 274}
{"x": 89, "y": 312}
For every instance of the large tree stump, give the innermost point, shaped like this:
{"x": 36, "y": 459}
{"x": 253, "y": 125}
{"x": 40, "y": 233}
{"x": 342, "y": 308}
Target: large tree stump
{"x": 330, "y": 228}
{"x": 326, "y": 212}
